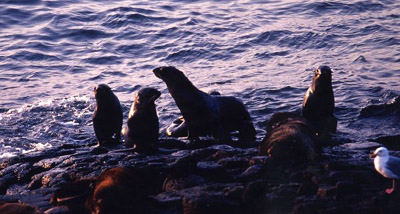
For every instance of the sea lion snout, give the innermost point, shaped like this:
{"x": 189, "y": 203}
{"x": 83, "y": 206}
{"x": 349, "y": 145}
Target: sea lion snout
{"x": 164, "y": 71}
{"x": 147, "y": 95}
{"x": 102, "y": 89}
{"x": 323, "y": 70}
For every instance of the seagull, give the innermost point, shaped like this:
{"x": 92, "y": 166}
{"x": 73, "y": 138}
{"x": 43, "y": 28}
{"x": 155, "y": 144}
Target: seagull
{"x": 386, "y": 165}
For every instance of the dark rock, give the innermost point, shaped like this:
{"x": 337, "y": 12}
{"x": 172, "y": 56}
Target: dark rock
{"x": 253, "y": 191}
{"x": 198, "y": 181}
{"x": 177, "y": 183}
{"x": 59, "y": 210}
{"x": 281, "y": 199}
{"x": 5, "y": 181}
{"x": 234, "y": 162}
{"x": 252, "y": 173}
{"x": 99, "y": 150}
{"x": 341, "y": 210}
{"x": 26, "y": 171}
{"x": 305, "y": 208}
{"x": 390, "y": 142}
{"x": 381, "y": 109}
{"x": 347, "y": 187}
{"x": 220, "y": 155}
{"x": 361, "y": 176}
{"x": 169, "y": 143}
{"x": 307, "y": 188}
{"x": 343, "y": 165}
{"x": 213, "y": 171}
{"x": 234, "y": 193}
{"x": 209, "y": 204}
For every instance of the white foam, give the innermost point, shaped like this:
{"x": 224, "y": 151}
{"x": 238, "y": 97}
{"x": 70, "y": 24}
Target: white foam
{"x": 7, "y": 155}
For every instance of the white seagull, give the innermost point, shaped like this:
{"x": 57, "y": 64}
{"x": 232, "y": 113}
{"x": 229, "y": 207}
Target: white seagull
{"x": 386, "y": 165}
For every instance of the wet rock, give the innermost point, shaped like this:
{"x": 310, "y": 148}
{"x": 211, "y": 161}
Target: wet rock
{"x": 212, "y": 171}
{"x": 5, "y": 181}
{"x": 252, "y": 173}
{"x": 220, "y": 155}
{"x": 362, "y": 176}
{"x": 99, "y": 150}
{"x": 381, "y": 109}
{"x": 253, "y": 191}
{"x": 199, "y": 181}
{"x": 343, "y": 165}
{"x": 281, "y": 199}
{"x": 233, "y": 162}
{"x": 177, "y": 183}
{"x": 58, "y": 210}
{"x": 206, "y": 204}
{"x": 234, "y": 193}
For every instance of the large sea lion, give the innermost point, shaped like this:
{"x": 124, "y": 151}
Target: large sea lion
{"x": 178, "y": 127}
{"x": 319, "y": 102}
{"x": 107, "y": 117}
{"x": 205, "y": 114}
{"x": 290, "y": 140}
{"x": 143, "y": 127}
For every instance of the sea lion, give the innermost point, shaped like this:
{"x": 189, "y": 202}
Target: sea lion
{"x": 178, "y": 127}
{"x": 74, "y": 195}
{"x": 124, "y": 191}
{"x": 319, "y": 102}
{"x": 205, "y": 114}
{"x": 143, "y": 127}
{"x": 290, "y": 140}
{"x": 107, "y": 117}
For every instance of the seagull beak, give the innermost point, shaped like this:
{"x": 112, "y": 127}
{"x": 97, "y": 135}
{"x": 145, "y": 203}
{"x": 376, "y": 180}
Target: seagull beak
{"x": 372, "y": 155}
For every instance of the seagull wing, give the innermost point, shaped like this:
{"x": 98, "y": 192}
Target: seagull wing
{"x": 393, "y": 165}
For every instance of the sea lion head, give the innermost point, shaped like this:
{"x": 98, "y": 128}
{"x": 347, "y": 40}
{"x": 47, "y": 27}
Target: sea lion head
{"x": 102, "y": 91}
{"x": 322, "y": 78}
{"x": 172, "y": 76}
{"x": 145, "y": 97}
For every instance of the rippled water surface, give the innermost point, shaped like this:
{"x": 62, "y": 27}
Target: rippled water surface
{"x": 52, "y": 54}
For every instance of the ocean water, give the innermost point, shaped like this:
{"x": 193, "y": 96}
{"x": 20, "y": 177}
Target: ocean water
{"x": 53, "y": 52}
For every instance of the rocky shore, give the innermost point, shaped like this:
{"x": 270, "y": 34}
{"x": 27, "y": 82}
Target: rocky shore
{"x": 201, "y": 178}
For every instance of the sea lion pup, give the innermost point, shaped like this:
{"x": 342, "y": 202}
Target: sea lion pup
{"x": 143, "y": 127}
{"x": 319, "y": 102}
{"x": 290, "y": 140}
{"x": 178, "y": 126}
{"x": 204, "y": 114}
{"x": 123, "y": 191}
{"x": 107, "y": 117}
